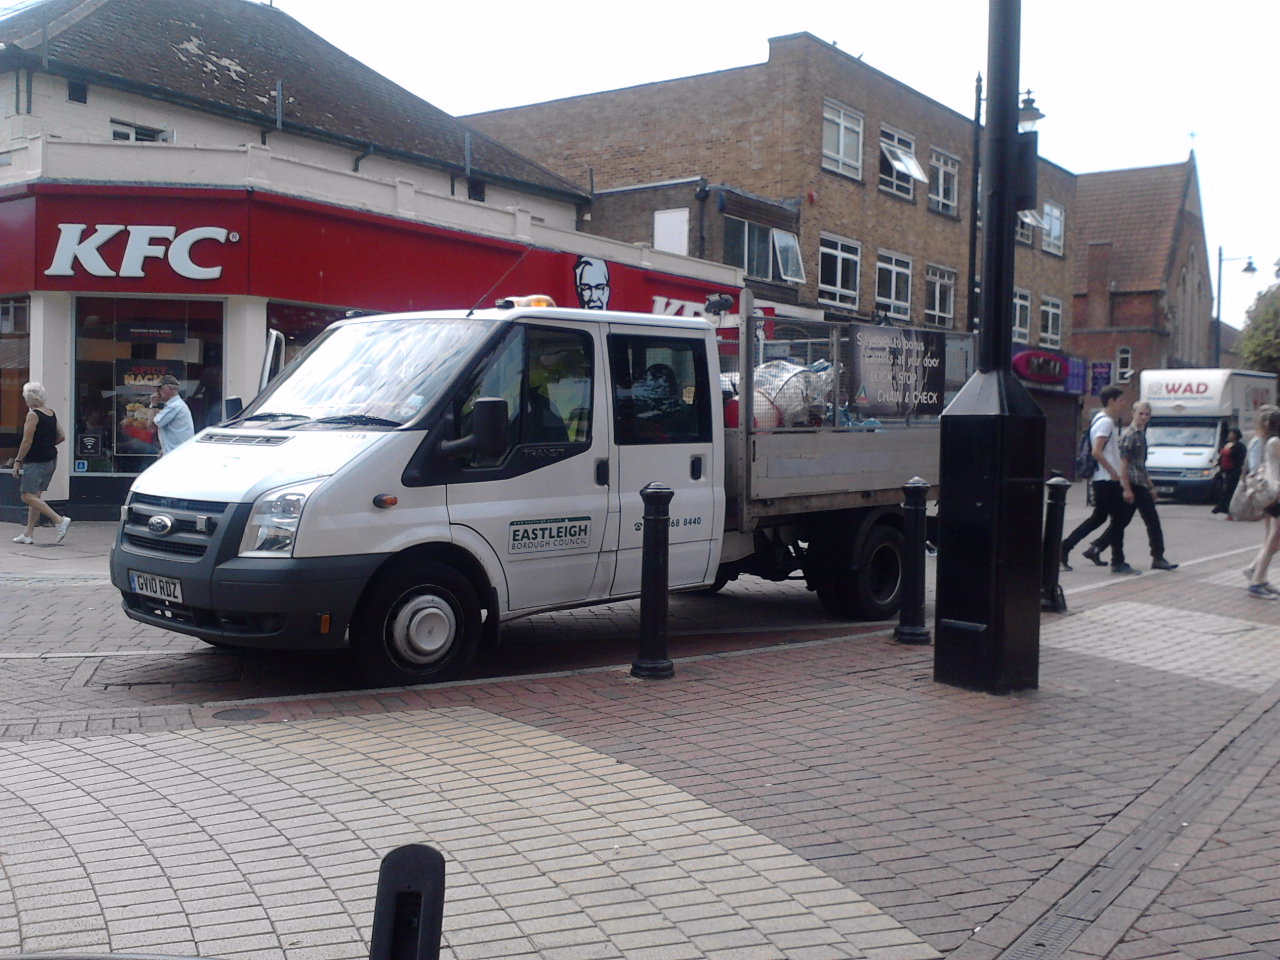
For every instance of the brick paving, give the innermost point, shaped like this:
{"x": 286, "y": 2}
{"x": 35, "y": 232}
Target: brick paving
{"x": 815, "y": 795}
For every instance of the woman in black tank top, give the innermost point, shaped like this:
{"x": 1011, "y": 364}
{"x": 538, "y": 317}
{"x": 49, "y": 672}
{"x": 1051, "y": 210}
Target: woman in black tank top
{"x": 37, "y": 457}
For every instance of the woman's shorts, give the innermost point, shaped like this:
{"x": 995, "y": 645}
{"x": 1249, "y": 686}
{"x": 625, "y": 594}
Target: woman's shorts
{"x": 36, "y": 476}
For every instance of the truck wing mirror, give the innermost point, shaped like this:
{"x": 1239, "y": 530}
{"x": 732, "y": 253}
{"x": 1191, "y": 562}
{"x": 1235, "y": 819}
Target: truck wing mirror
{"x": 488, "y": 436}
{"x": 231, "y": 407}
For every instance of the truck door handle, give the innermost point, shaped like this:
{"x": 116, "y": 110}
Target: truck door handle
{"x": 695, "y": 468}
{"x": 602, "y": 473}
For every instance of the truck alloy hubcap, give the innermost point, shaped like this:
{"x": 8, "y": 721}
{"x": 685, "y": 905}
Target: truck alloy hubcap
{"x": 424, "y": 628}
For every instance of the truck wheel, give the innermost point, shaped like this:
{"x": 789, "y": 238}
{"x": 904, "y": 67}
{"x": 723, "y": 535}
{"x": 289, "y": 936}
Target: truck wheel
{"x": 871, "y": 589}
{"x": 420, "y": 624}
{"x": 879, "y": 585}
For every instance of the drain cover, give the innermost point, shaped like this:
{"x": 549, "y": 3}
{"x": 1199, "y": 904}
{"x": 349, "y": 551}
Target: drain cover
{"x": 240, "y": 714}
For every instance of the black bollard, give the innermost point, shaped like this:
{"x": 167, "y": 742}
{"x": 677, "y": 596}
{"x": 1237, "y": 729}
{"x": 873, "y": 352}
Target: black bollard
{"x": 911, "y": 628}
{"x": 653, "y": 662}
{"x": 408, "y": 914}
{"x": 1051, "y": 595}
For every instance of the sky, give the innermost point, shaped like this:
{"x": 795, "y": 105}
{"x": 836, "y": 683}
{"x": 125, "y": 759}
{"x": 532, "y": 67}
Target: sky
{"x": 1122, "y": 83}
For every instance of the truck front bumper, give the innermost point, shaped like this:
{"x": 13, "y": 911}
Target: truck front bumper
{"x": 286, "y": 603}
{"x": 1198, "y": 490}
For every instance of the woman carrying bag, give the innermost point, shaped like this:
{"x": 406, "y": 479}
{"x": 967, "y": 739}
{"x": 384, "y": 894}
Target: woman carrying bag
{"x": 1261, "y": 489}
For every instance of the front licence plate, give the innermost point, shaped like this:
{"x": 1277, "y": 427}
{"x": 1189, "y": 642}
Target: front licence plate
{"x": 149, "y": 585}
{"x": 1165, "y": 491}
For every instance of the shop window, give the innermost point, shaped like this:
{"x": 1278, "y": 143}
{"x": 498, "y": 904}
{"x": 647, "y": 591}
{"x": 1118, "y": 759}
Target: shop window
{"x": 15, "y": 334}
{"x": 123, "y": 347}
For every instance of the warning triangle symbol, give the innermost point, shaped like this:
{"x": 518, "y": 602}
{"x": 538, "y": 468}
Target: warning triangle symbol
{"x": 862, "y": 395}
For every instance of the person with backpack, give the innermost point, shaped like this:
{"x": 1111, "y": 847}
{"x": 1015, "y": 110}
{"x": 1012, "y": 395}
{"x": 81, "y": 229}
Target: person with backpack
{"x": 1110, "y": 499}
{"x": 1138, "y": 492}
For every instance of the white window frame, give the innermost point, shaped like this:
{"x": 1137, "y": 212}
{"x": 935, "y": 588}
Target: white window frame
{"x": 1124, "y": 364}
{"x": 1050, "y": 322}
{"x": 899, "y": 152}
{"x": 939, "y": 295}
{"x": 897, "y": 268}
{"x": 944, "y": 188}
{"x": 846, "y": 124}
{"x": 1053, "y": 238}
{"x": 1024, "y": 227}
{"x": 122, "y": 130}
{"x": 786, "y": 256}
{"x": 785, "y": 261}
{"x": 1021, "y": 316}
{"x": 847, "y": 255}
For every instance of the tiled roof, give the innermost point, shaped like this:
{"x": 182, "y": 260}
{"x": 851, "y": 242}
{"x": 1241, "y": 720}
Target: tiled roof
{"x": 226, "y": 57}
{"x": 1138, "y": 211}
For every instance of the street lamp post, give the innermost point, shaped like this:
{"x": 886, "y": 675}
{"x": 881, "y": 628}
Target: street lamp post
{"x": 991, "y": 472}
{"x": 1217, "y": 319}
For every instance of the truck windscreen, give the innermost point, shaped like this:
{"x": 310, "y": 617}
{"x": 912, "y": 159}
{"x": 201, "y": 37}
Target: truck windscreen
{"x": 1182, "y": 433}
{"x": 378, "y": 373}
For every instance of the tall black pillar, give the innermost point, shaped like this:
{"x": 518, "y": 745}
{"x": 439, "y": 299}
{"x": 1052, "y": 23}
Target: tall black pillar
{"x": 987, "y": 631}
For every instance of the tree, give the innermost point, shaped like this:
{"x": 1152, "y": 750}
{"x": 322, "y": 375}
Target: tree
{"x": 1260, "y": 342}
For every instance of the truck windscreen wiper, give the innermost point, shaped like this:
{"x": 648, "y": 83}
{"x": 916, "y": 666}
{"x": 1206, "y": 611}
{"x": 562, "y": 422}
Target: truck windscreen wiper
{"x": 360, "y": 418}
{"x": 278, "y": 416}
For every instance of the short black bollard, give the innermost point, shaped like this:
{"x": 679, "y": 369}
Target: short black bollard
{"x": 408, "y": 913}
{"x": 1051, "y": 595}
{"x": 911, "y": 628}
{"x": 653, "y": 662}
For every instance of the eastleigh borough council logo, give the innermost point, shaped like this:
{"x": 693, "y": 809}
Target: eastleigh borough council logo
{"x": 544, "y": 536}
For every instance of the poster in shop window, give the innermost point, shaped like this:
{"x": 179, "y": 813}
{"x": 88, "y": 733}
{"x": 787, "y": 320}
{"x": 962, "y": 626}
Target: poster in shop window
{"x": 135, "y": 382}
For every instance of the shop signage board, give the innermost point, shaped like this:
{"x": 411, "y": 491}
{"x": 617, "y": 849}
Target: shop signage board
{"x": 208, "y": 242}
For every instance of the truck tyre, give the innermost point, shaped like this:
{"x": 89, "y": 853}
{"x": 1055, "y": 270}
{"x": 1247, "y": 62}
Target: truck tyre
{"x": 420, "y": 624}
{"x": 866, "y": 587}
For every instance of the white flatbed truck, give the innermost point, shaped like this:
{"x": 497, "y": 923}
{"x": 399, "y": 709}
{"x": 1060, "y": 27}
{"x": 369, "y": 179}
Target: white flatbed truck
{"x": 412, "y": 481}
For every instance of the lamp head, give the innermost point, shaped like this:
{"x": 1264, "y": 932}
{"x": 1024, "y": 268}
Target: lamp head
{"x": 1028, "y": 114}
{"x": 1249, "y": 267}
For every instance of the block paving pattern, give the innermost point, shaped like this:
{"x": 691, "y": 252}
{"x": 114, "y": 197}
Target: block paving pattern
{"x": 963, "y": 818}
{"x": 264, "y": 840}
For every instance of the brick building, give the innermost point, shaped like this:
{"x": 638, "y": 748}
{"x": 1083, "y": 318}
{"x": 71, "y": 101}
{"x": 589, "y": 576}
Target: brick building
{"x": 1141, "y": 278}
{"x": 841, "y": 192}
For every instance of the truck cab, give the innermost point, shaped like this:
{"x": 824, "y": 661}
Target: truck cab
{"x": 1191, "y": 412}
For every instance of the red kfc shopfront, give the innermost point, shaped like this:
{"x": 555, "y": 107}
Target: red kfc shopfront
{"x": 104, "y": 290}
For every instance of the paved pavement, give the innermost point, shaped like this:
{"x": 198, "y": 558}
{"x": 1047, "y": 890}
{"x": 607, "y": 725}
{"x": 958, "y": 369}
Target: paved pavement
{"x": 800, "y": 790}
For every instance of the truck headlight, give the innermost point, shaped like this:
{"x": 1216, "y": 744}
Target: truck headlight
{"x": 272, "y": 529}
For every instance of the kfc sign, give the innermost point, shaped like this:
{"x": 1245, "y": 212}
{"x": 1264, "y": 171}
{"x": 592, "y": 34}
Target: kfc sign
{"x": 144, "y": 243}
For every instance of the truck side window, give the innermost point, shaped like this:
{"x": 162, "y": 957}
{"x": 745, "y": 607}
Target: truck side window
{"x": 546, "y": 377}
{"x": 558, "y": 387}
{"x": 660, "y": 391}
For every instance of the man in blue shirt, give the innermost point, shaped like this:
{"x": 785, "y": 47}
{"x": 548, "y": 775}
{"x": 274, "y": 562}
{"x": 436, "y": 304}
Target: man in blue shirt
{"x": 173, "y": 420}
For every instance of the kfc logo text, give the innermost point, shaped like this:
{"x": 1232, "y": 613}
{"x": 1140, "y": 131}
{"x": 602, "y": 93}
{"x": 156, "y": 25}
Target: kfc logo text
{"x": 144, "y": 243}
